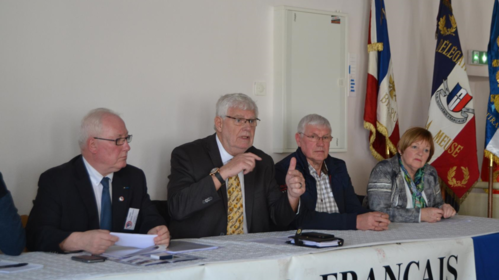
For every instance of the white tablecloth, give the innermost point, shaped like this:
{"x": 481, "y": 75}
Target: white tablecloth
{"x": 263, "y": 255}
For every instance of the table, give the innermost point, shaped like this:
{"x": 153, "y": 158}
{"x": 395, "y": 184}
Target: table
{"x": 405, "y": 251}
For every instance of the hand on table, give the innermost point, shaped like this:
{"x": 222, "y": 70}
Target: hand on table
{"x": 93, "y": 241}
{"x": 431, "y": 214}
{"x": 163, "y": 237}
{"x": 377, "y": 221}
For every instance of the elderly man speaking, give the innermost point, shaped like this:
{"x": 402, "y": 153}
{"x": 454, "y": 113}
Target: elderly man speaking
{"x": 329, "y": 201}
{"x": 80, "y": 202}
{"x": 223, "y": 185}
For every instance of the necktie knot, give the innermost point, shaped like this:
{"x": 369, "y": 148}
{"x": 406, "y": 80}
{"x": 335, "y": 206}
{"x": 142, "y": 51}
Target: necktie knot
{"x": 105, "y": 183}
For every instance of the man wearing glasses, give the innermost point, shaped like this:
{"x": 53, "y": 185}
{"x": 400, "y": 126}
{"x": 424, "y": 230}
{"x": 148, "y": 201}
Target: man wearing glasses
{"x": 223, "y": 185}
{"x": 80, "y": 202}
{"x": 329, "y": 201}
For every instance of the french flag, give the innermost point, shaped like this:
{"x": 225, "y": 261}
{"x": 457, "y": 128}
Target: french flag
{"x": 380, "y": 110}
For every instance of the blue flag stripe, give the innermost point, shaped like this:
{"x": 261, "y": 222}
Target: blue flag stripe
{"x": 447, "y": 45}
{"x": 492, "y": 54}
{"x": 382, "y": 37}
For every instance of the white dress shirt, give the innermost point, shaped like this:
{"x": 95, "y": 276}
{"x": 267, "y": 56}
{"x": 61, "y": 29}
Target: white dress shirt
{"x": 95, "y": 179}
{"x": 226, "y": 157}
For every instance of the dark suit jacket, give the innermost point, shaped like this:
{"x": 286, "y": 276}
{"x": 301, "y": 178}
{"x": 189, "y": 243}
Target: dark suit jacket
{"x": 198, "y": 209}
{"x": 65, "y": 203}
{"x": 341, "y": 186}
{"x": 12, "y": 236}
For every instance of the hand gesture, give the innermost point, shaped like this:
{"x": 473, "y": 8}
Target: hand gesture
{"x": 243, "y": 162}
{"x": 294, "y": 180}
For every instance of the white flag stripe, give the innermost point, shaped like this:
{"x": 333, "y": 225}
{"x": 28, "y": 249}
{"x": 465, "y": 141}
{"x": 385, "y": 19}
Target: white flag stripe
{"x": 440, "y": 123}
{"x": 387, "y": 113}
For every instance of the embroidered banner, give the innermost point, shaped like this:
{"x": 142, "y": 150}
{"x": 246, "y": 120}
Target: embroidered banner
{"x": 451, "y": 117}
{"x": 380, "y": 111}
{"x": 492, "y": 120}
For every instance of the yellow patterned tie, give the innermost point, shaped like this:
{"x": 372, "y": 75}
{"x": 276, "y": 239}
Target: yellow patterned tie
{"x": 235, "y": 212}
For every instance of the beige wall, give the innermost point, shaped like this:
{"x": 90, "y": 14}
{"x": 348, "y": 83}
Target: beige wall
{"x": 162, "y": 64}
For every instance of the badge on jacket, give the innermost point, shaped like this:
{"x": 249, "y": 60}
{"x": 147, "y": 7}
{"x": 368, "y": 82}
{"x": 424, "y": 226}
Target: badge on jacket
{"x": 131, "y": 218}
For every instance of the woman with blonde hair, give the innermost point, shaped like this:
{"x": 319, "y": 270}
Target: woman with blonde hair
{"x": 405, "y": 186}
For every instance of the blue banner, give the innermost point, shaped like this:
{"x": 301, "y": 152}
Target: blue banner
{"x": 493, "y": 61}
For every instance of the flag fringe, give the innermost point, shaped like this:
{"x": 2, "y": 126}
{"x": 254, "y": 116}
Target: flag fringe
{"x": 487, "y": 155}
{"x": 450, "y": 192}
{"x": 381, "y": 129}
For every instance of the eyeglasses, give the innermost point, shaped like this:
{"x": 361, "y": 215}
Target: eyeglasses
{"x": 117, "y": 141}
{"x": 316, "y": 138}
{"x": 241, "y": 121}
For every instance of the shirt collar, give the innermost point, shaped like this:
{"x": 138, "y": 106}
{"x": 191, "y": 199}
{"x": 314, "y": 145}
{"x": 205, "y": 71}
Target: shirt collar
{"x": 226, "y": 157}
{"x": 312, "y": 170}
{"x": 95, "y": 176}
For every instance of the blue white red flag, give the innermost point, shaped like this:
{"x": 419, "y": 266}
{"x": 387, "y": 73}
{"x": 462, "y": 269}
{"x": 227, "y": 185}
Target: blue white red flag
{"x": 492, "y": 120}
{"x": 380, "y": 111}
{"x": 451, "y": 117}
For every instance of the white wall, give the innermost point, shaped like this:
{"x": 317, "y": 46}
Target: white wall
{"x": 163, "y": 64}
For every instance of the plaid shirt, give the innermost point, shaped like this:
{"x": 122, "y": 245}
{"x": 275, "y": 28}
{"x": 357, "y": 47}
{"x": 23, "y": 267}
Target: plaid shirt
{"x": 325, "y": 198}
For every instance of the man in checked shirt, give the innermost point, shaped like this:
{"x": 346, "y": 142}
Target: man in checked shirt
{"x": 329, "y": 201}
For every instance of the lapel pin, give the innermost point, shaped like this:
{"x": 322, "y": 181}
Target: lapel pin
{"x": 122, "y": 198}
{"x": 126, "y": 188}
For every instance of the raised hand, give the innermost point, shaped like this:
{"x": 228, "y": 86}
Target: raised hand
{"x": 243, "y": 162}
{"x": 294, "y": 180}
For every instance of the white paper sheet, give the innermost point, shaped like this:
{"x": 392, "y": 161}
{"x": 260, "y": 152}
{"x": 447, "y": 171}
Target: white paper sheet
{"x": 134, "y": 240}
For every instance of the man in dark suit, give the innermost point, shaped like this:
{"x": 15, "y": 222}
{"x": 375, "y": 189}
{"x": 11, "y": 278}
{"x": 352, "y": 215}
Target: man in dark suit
{"x": 223, "y": 185}
{"x": 80, "y": 202}
{"x": 330, "y": 201}
{"x": 12, "y": 236}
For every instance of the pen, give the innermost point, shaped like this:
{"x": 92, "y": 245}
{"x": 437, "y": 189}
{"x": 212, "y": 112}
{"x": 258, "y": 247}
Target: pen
{"x": 13, "y": 265}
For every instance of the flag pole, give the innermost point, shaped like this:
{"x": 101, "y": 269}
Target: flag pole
{"x": 491, "y": 183}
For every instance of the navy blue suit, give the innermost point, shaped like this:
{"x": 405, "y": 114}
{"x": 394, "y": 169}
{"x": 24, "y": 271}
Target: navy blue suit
{"x": 341, "y": 186}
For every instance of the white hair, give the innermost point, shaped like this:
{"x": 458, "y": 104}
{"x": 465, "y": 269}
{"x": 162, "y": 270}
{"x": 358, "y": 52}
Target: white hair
{"x": 91, "y": 124}
{"x": 235, "y": 100}
{"x": 313, "y": 119}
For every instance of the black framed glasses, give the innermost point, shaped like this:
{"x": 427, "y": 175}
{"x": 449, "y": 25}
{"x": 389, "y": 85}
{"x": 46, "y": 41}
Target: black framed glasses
{"x": 117, "y": 141}
{"x": 241, "y": 121}
{"x": 316, "y": 138}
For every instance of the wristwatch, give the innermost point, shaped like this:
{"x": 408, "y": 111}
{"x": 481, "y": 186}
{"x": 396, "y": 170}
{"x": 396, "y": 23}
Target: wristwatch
{"x": 215, "y": 172}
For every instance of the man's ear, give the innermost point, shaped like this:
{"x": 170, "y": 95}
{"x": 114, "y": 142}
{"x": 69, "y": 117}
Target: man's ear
{"x": 218, "y": 123}
{"x": 92, "y": 145}
{"x": 298, "y": 139}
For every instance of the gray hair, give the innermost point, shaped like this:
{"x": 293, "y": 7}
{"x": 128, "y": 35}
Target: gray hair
{"x": 91, "y": 124}
{"x": 235, "y": 100}
{"x": 313, "y": 119}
